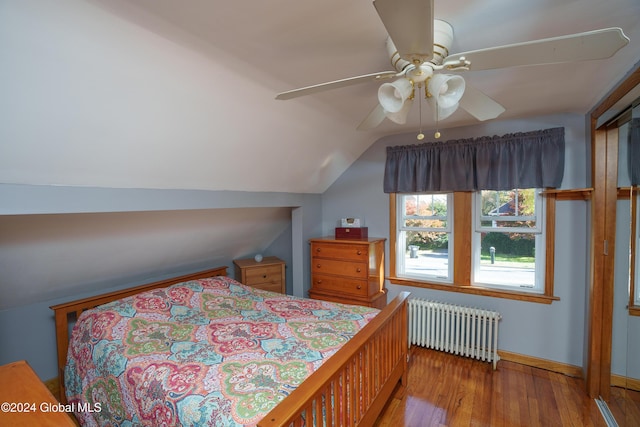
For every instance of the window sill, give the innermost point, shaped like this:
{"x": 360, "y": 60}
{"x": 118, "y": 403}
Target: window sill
{"x": 476, "y": 290}
{"x": 634, "y": 310}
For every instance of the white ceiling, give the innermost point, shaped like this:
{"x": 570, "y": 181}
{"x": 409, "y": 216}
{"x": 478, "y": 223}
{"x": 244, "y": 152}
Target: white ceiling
{"x": 180, "y": 94}
{"x": 288, "y": 44}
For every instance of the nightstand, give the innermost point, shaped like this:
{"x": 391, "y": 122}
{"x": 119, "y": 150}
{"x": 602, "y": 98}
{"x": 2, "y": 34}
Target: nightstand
{"x": 27, "y": 401}
{"x": 349, "y": 271}
{"x": 267, "y": 274}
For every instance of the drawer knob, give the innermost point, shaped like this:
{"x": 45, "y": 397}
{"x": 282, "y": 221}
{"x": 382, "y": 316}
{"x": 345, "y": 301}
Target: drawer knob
{"x": 264, "y": 276}
{"x": 318, "y": 281}
{"x": 358, "y": 270}
{"x": 317, "y": 249}
{"x": 359, "y": 252}
{"x": 318, "y": 265}
{"x": 359, "y": 287}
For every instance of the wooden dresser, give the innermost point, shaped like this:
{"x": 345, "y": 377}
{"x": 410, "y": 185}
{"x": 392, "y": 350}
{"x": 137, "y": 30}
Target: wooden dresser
{"x": 26, "y": 401}
{"x": 267, "y": 274}
{"x": 349, "y": 271}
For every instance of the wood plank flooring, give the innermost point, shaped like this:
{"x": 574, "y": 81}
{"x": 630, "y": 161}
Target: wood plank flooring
{"x": 453, "y": 391}
{"x": 448, "y": 390}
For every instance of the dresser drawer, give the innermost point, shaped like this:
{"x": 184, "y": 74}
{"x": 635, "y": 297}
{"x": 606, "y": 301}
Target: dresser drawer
{"x": 341, "y": 251}
{"x": 340, "y": 285}
{"x": 263, "y": 275}
{"x": 378, "y": 300}
{"x": 357, "y": 270}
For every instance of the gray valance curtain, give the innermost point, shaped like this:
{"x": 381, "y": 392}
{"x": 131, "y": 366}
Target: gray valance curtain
{"x": 634, "y": 151}
{"x": 519, "y": 160}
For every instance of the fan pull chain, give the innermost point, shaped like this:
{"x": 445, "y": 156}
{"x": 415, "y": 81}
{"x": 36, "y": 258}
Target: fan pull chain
{"x": 420, "y": 135}
{"x": 437, "y": 134}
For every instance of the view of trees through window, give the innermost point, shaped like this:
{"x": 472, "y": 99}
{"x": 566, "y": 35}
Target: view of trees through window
{"x": 504, "y": 236}
{"x": 426, "y": 229}
{"x": 513, "y": 209}
{"x": 427, "y": 216}
{"x": 508, "y": 230}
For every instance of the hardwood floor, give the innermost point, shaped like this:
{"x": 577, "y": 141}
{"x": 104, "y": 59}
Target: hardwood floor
{"x": 447, "y": 390}
{"x": 453, "y": 391}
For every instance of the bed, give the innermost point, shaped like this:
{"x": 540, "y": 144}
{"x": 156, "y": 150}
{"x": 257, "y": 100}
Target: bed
{"x": 342, "y": 376}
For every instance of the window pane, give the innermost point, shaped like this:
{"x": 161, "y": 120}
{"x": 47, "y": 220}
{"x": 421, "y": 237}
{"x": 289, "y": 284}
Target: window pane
{"x": 424, "y": 237}
{"x": 507, "y": 233}
{"x": 511, "y": 203}
{"x": 427, "y": 254}
{"x": 425, "y": 211}
{"x": 507, "y": 259}
{"x": 513, "y": 208}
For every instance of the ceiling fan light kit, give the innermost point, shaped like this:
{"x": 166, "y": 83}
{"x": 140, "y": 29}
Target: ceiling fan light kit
{"x": 444, "y": 92}
{"x": 419, "y": 48}
{"x": 392, "y": 96}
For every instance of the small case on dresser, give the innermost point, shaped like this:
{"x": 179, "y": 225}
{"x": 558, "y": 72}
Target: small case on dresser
{"x": 352, "y": 232}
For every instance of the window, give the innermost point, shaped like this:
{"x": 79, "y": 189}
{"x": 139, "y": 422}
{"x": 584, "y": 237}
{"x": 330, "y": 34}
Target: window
{"x": 424, "y": 236}
{"x": 444, "y": 241}
{"x": 508, "y": 240}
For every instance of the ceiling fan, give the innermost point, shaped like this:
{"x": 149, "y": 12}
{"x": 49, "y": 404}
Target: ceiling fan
{"x": 418, "y": 46}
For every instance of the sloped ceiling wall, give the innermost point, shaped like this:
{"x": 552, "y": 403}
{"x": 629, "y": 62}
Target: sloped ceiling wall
{"x": 93, "y": 99}
{"x": 44, "y": 257}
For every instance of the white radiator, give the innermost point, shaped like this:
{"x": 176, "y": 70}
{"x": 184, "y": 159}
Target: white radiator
{"x": 455, "y": 329}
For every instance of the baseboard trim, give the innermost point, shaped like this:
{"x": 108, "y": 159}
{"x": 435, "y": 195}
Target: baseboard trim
{"x": 625, "y": 382}
{"x": 549, "y": 365}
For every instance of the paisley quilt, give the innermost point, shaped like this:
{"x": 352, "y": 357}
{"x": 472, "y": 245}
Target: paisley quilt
{"x": 209, "y": 352}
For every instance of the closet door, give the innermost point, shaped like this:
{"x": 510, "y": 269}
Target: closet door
{"x": 613, "y": 372}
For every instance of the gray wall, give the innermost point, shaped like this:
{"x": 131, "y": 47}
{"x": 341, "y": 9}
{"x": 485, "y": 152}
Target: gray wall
{"x": 554, "y": 332}
{"x": 63, "y": 243}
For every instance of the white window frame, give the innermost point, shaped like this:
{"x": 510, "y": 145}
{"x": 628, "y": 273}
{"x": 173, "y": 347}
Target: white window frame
{"x": 401, "y": 242}
{"x": 539, "y": 231}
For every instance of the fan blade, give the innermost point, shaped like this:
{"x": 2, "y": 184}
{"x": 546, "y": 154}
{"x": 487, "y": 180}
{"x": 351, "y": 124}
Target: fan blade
{"x": 409, "y": 23}
{"x": 375, "y": 117}
{"x": 598, "y": 44}
{"x": 335, "y": 84}
{"x": 480, "y": 105}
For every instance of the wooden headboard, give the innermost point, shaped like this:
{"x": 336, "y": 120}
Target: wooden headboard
{"x": 69, "y": 311}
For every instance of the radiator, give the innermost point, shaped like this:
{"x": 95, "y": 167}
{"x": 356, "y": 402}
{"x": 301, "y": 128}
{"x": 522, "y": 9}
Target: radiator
{"x": 465, "y": 331}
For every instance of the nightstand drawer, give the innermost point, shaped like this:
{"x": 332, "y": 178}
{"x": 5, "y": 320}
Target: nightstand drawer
{"x": 339, "y": 285}
{"x": 263, "y": 275}
{"x": 341, "y": 251}
{"x": 267, "y": 274}
{"x": 273, "y": 287}
{"x": 356, "y": 270}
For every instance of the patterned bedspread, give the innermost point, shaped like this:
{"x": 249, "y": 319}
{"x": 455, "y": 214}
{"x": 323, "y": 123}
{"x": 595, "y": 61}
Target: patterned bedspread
{"x": 205, "y": 352}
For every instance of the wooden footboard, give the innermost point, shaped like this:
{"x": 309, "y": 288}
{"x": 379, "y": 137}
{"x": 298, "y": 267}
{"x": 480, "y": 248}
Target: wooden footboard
{"x": 349, "y": 389}
{"x": 352, "y": 387}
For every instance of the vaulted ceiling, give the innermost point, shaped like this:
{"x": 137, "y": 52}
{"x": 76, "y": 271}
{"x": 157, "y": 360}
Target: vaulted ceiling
{"x": 166, "y": 94}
